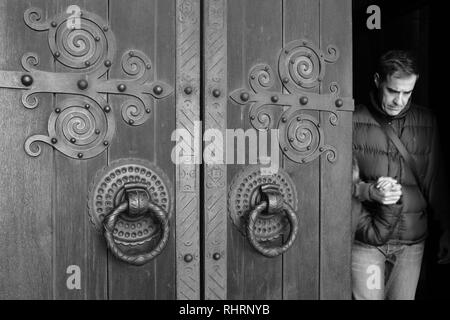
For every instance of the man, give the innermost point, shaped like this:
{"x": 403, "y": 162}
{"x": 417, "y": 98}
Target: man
{"x": 389, "y": 239}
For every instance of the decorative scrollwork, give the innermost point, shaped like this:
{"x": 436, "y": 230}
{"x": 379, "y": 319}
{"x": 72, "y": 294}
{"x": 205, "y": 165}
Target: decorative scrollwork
{"x": 301, "y": 137}
{"x": 301, "y": 68}
{"x": 76, "y": 129}
{"x": 88, "y": 51}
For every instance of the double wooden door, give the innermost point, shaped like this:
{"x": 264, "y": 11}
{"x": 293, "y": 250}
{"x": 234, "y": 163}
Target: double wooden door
{"x": 118, "y": 119}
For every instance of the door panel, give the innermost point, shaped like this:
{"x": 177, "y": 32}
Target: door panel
{"x": 58, "y": 229}
{"x": 57, "y": 206}
{"x": 263, "y": 39}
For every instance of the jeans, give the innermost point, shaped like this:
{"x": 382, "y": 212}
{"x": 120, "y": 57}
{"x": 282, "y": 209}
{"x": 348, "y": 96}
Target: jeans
{"x": 387, "y": 272}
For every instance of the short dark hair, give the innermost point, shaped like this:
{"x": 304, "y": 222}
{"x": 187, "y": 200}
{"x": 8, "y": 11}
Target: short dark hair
{"x": 397, "y": 61}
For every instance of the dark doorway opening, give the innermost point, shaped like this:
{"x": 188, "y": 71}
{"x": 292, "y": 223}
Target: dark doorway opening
{"x": 409, "y": 25}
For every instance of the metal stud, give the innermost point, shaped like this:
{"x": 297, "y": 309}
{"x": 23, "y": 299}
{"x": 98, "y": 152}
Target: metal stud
{"x": 131, "y": 121}
{"x": 80, "y": 155}
{"x": 216, "y": 93}
{"x": 158, "y": 90}
{"x": 283, "y": 119}
{"x": 216, "y": 256}
{"x": 274, "y": 99}
{"x": 107, "y": 108}
{"x": 87, "y": 106}
{"x": 105, "y": 143}
{"x": 245, "y": 96}
{"x": 285, "y": 80}
{"x": 57, "y": 54}
{"x": 108, "y": 63}
{"x": 97, "y": 38}
{"x": 57, "y": 110}
{"x": 188, "y": 90}
{"x": 105, "y": 28}
{"x": 148, "y": 110}
{"x": 82, "y": 84}
{"x": 339, "y": 103}
{"x": 54, "y": 24}
{"x": 303, "y": 101}
{"x": 97, "y": 131}
{"x": 121, "y": 87}
{"x": 26, "y": 80}
{"x": 188, "y": 258}
{"x": 73, "y": 140}
{"x": 54, "y": 140}
{"x": 87, "y": 63}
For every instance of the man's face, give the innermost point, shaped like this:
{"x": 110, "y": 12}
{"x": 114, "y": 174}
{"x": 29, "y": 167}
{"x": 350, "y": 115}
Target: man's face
{"x": 395, "y": 92}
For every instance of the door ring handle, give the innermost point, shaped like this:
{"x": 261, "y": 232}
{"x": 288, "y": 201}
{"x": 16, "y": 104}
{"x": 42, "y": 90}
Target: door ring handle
{"x": 139, "y": 259}
{"x": 274, "y": 251}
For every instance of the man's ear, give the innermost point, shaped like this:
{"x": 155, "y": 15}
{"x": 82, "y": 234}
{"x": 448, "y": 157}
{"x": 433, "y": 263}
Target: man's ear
{"x": 376, "y": 80}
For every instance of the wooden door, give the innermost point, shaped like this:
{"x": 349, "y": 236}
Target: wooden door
{"x": 108, "y": 94}
{"x": 96, "y": 96}
{"x": 283, "y": 65}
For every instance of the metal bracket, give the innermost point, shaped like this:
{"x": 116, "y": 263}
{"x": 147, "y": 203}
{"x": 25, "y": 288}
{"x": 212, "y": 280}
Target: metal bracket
{"x": 301, "y": 67}
{"x": 82, "y": 127}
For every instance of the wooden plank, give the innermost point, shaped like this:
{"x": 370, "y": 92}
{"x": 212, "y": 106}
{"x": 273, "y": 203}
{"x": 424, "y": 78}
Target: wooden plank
{"x": 188, "y": 175}
{"x": 254, "y": 36}
{"x": 26, "y": 238}
{"x": 148, "y": 26}
{"x": 76, "y": 241}
{"x": 301, "y": 261}
{"x": 335, "y": 217}
{"x": 215, "y": 115}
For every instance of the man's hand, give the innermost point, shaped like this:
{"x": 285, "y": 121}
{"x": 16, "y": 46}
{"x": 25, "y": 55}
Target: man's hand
{"x": 386, "y": 191}
{"x": 444, "y": 248}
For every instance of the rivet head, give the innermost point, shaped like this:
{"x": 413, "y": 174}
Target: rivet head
{"x": 318, "y": 125}
{"x": 73, "y": 140}
{"x": 299, "y": 119}
{"x": 97, "y": 38}
{"x": 321, "y": 149}
{"x": 303, "y": 101}
{"x": 274, "y": 99}
{"x": 107, "y": 108}
{"x": 57, "y": 110}
{"x": 291, "y": 139}
{"x": 158, "y": 90}
{"x": 26, "y": 80}
{"x": 108, "y": 63}
{"x": 308, "y": 148}
{"x": 54, "y": 24}
{"x": 285, "y": 149}
{"x": 188, "y": 90}
{"x": 252, "y": 118}
{"x": 97, "y": 131}
{"x": 105, "y": 28}
{"x": 87, "y": 63}
{"x": 131, "y": 121}
{"x": 285, "y": 80}
{"x": 57, "y": 54}
{"x": 105, "y": 143}
{"x": 245, "y": 96}
{"x": 148, "y": 110}
{"x": 216, "y": 93}
{"x": 216, "y": 256}
{"x": 82, "y": 84}
{"x": 80, "y": 155}
{"x": 283, "y": 119}
{"x": 188, "y": 258}
{"x": 121, "y": 87}
{"x": 54, "y": 140}
{"x": 148, "y": 66}
{"x": 87, "y": 106}
{"x": 131, "y": 53}
{"x": 339, "y": 103}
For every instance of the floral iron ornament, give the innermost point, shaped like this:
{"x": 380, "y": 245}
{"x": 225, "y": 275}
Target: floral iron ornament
{"x": 301, "y": 67}
{"x": 82, "y": 127}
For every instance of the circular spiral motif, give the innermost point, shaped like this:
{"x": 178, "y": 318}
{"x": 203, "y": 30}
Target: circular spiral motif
{"x": 107, "y": 192}
{"x": 300, "y": 136}
{"x": 261, "y": 77}
{"x": 137, "y": 65}
{"x": 81, "y": 48}
{"x": 134, "y": 112}
{"x": 242, "y": 194}
{"x": 301, "y": 65}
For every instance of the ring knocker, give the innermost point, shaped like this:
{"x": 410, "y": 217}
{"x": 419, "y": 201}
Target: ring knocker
{"x": 137, "y": 202}
{"x": 273, "y": 203}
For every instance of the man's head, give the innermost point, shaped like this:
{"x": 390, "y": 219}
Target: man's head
{"x": 395, "y": 79}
